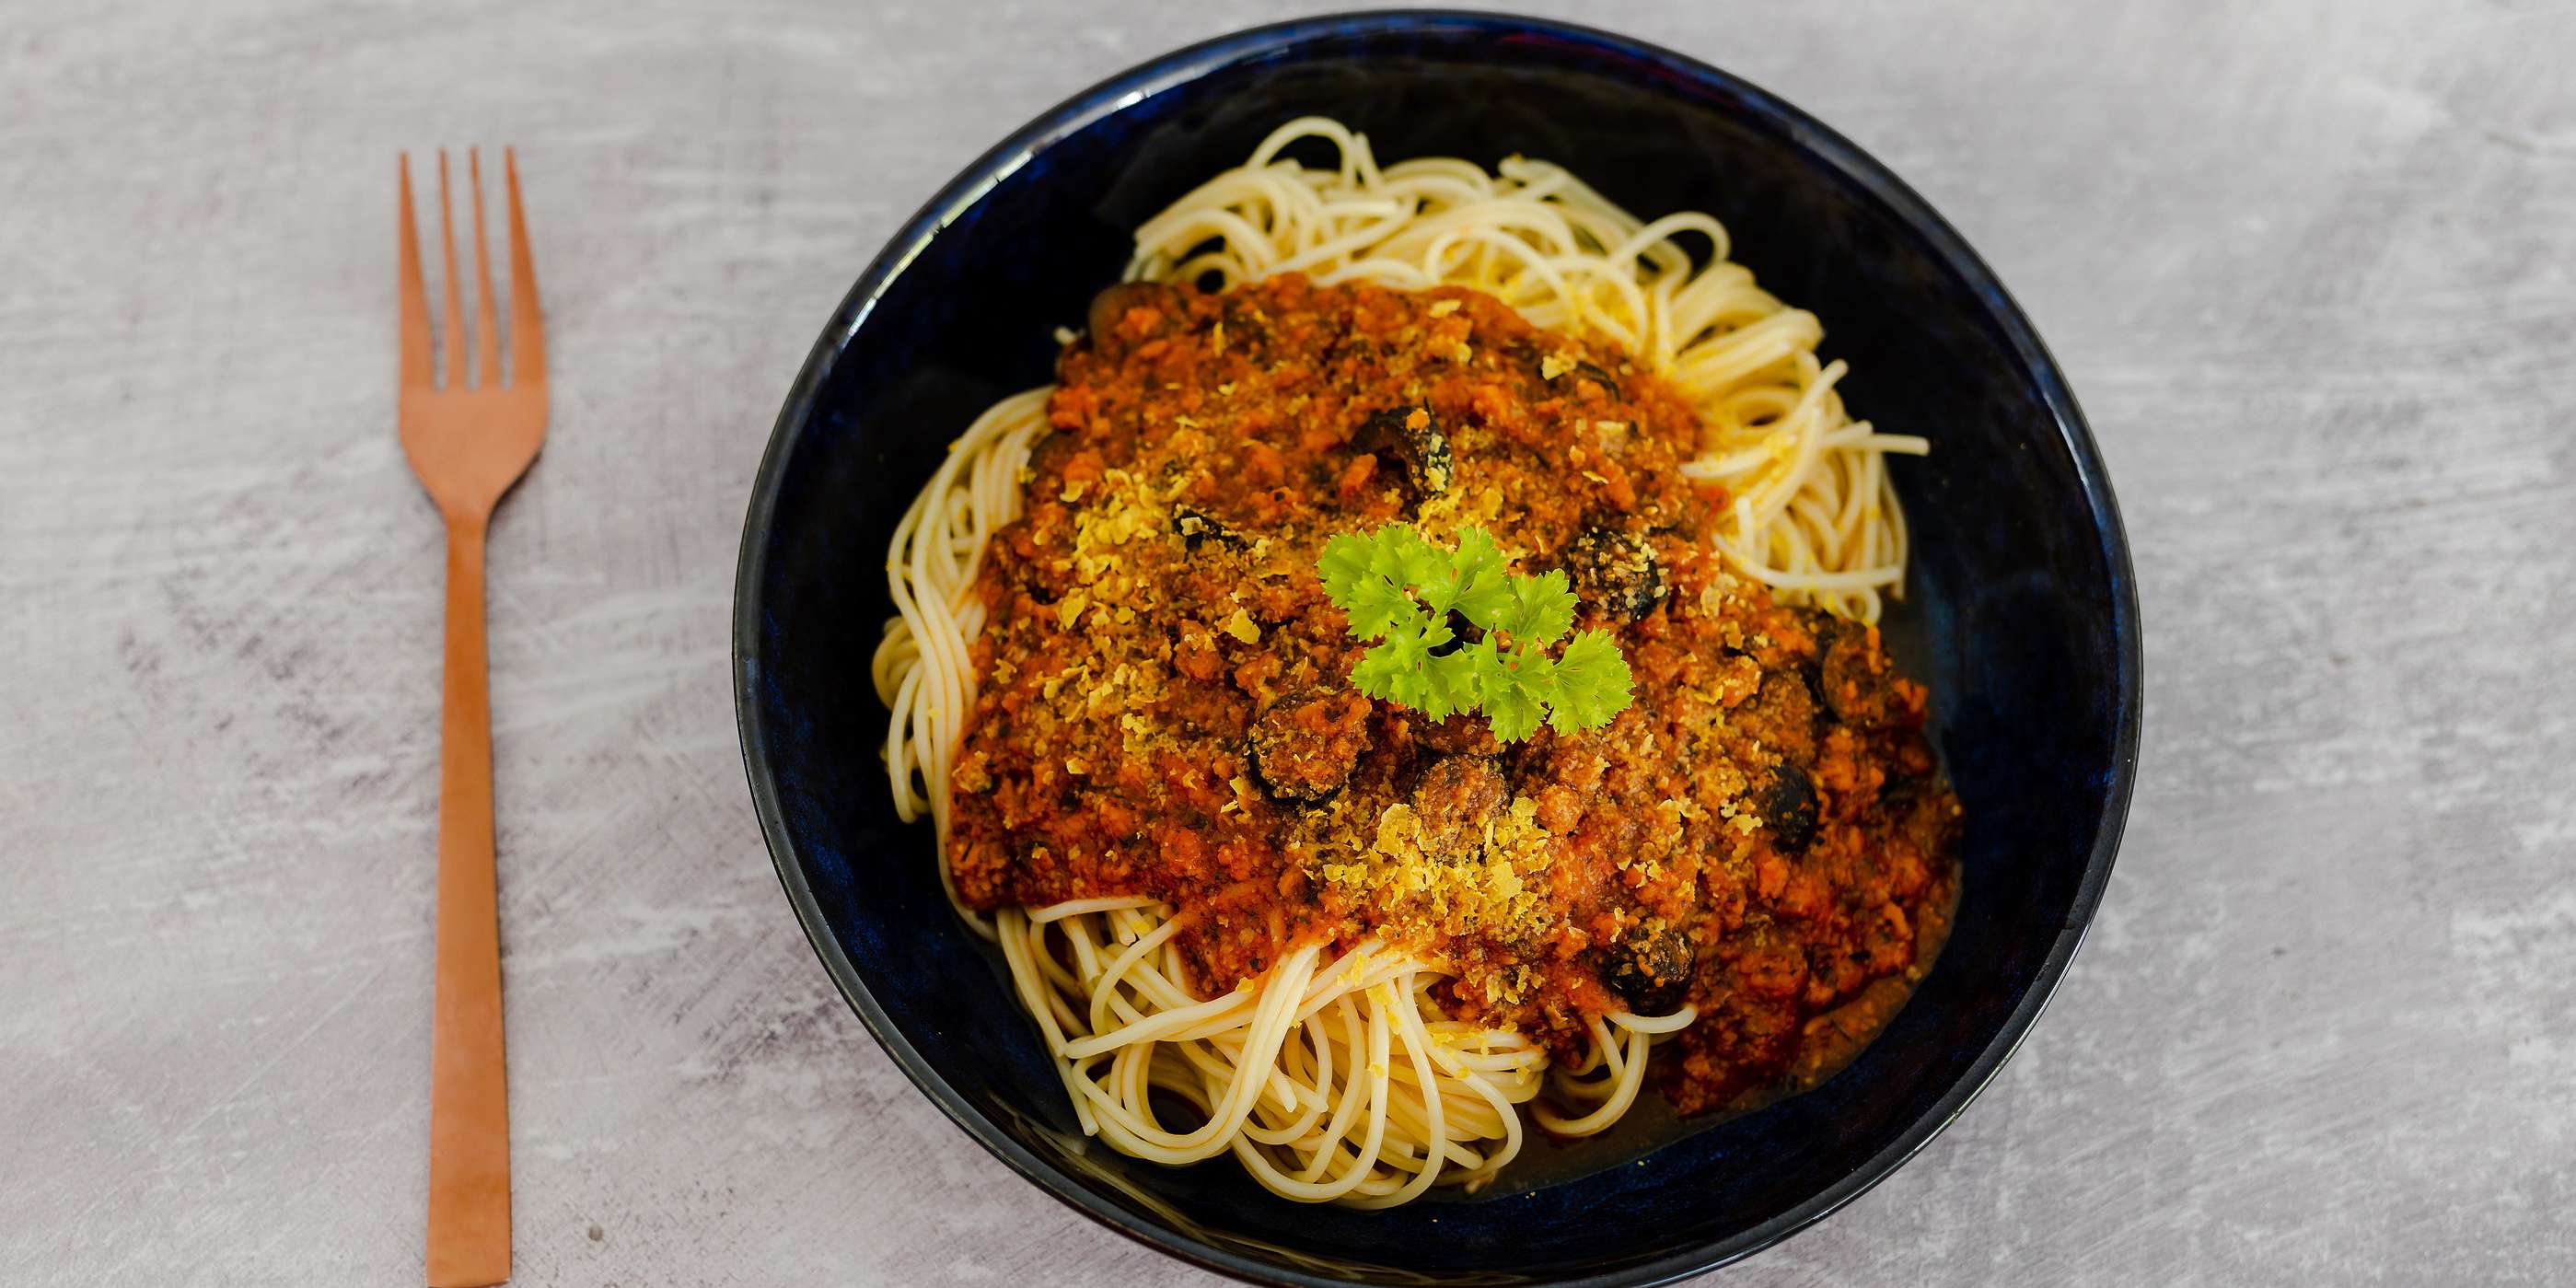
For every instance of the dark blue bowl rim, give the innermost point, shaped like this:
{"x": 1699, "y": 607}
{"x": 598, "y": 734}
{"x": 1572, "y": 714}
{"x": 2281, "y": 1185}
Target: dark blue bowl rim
{"x": 1181, "y": 66}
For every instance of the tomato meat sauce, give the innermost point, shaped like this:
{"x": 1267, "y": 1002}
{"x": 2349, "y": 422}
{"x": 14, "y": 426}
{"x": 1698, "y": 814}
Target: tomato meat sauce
{"x": 1166, "y": 708}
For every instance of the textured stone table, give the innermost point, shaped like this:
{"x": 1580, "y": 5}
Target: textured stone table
{"x": 2311, "y": 266}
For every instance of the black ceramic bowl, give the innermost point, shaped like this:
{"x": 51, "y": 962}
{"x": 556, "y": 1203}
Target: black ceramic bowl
{"x": 2021, "y": 616}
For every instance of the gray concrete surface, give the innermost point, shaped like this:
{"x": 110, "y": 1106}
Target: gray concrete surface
{"x": 2311, "y": 265}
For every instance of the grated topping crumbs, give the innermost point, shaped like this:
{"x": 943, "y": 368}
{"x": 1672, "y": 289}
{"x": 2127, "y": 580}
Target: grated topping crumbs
{"x": 1424, "y": 887}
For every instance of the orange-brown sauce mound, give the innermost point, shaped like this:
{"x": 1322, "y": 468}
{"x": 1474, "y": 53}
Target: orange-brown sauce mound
{"x": 1166, "y": 707}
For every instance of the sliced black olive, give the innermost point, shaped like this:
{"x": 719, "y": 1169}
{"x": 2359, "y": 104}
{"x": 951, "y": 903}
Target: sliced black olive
{"x": 1593, "y": 373}
{"x": 1454, "y": 798}
{"x": 1306, "y": 744}
{"x": 1650, "y": 970}
{"x": 1854, "y": 687}
{"x": 1581, "y": 368}
{"x": 1413, "y": 439}
{"x": 1461, "y": 633}
{"x": 1822, "y": 625}
{"x": 1195, "y": 526}
{"x": 1615, "y": 573}
{"x": 1783, "y": 714}
{"x": 1788, "y": 804}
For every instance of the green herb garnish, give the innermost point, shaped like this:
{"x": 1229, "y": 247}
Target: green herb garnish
{"x": 1400, "y": 590}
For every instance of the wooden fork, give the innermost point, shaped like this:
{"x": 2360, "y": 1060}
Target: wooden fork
{"x": 469, "y": 442}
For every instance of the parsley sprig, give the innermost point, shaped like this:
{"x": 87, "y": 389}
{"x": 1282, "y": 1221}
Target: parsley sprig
{"x": 1399, "y": 589}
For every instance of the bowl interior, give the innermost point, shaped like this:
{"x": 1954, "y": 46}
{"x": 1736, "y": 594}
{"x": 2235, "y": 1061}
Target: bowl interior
{"x": 2018, "y": 614}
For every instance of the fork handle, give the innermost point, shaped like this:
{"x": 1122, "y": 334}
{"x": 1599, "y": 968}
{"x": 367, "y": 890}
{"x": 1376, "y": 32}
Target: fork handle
{"x": 469, "y": 1112}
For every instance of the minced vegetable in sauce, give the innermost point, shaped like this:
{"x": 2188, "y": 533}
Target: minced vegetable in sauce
{"x": 1166, "y": 707}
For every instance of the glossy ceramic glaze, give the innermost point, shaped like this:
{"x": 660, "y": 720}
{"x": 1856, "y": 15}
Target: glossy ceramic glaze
{"x": 2021, "y": 616}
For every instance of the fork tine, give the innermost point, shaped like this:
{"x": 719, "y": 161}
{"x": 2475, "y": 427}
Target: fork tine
{"x": 527, "y": 326}
{"x": 487, "y": 344}
{"x": 414, "y": 306}
{"x": 455, "y": 329}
